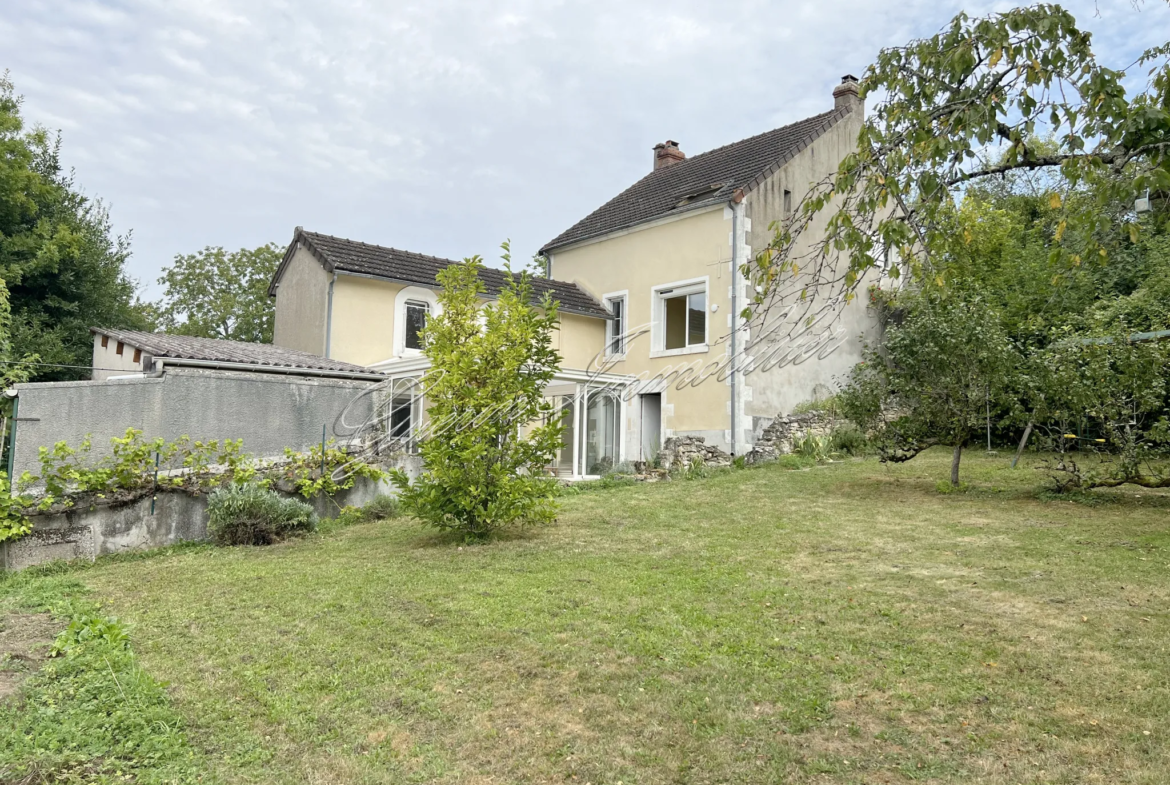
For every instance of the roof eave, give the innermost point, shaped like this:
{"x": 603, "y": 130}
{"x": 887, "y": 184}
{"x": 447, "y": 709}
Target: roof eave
{"x": 676, "y": 212}
{"x": 286, "y": 370}
{"x": 486, "y": 295}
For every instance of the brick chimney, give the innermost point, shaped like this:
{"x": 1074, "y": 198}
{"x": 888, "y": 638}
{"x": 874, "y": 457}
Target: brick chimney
{"x": 667, "y": 154}
{"x": 847, "y": 95}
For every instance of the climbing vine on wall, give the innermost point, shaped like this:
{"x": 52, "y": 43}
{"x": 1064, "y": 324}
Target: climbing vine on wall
{"x": 134, "y": 465}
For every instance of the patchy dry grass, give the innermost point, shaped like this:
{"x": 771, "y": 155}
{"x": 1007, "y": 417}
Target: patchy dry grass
{"x": 843, "y": 624}
{"x": 25, "y": 639}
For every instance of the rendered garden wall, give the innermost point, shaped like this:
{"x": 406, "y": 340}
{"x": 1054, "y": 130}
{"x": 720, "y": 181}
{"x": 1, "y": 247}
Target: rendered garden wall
{"x": 106, "y": 527}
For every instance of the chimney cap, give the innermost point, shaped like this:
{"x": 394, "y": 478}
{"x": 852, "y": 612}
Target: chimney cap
{"x": 847, "y": 95}
{"x": 667, "y": 153}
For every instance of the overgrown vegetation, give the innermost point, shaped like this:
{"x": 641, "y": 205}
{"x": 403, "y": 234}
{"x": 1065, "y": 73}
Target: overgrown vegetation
{"x": 1005, "y": 333}
{"x": 91, "y": 714}
{"x": 995, "y": 188}
{"x": 249, "y": 514}
{"x": 492, "y": 431}
{"x": 136, "y": 465}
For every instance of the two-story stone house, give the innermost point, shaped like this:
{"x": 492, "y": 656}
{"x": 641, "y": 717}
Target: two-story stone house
{"x": 648, "y": 285}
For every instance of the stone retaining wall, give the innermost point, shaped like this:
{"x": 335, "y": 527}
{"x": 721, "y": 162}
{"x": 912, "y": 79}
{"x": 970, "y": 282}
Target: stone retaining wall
{"x": 178, "y": 516}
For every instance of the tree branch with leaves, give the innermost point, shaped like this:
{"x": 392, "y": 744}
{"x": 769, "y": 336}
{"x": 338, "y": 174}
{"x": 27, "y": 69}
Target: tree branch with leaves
{"x": 965, "y": 106}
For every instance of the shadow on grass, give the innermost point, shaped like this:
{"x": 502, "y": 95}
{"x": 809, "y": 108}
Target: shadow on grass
{"x": 442, "y": 538}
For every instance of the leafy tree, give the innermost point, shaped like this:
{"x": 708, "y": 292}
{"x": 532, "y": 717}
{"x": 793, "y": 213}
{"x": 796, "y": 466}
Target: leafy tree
{"x": 63, "y": 266}
{"x": 220, "y": 294}
{"x": 999, "y": 170}
{"x": 492, "y": 432}
{"x": 962, "y": 108}
{"x": 941, "y": 366}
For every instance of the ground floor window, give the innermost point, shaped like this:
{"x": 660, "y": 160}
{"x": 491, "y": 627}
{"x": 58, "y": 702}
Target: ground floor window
{"x": 402, "y": 420}
{"x": 591, "y": 437}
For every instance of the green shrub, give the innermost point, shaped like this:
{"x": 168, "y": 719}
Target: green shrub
{"x": 830, "y": 405}
{"x": 794, "y": 461}
{"x": 492, "y": 433}
{"x": 381, "y": 507}
{"x": 848, "y": 440}
{"x": 819, "y": 448}
{"x": 251, "y": 515}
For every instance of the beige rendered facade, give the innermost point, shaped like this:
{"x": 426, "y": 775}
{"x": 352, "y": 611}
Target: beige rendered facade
{"x": 650, "y": 337}
{"x": 360, "y": 319}
{"x": 730, "y": 386}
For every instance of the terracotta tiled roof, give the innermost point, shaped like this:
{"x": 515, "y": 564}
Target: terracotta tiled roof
{"x": 337, "y": 253}
{"x": 705, "y": 179}
{"x": 185, "y": 347}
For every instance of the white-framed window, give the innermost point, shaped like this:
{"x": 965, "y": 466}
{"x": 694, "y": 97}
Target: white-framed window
{"x": 615, "y": 328}
{"x": 680, "y": 317}
{"x": 416, "y": 319}
{"x": 413, "y": 306}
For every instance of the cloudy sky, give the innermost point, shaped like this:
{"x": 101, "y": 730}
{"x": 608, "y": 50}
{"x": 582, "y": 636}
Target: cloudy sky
{"x": 442, "y": 127}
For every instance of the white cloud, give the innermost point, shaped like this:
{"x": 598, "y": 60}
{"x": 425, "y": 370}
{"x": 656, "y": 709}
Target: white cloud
{"x": 441, "y": 126}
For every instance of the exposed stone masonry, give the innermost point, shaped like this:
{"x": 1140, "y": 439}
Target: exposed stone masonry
{"x": 681, "y": 452}
{"x": 781, "y": 436}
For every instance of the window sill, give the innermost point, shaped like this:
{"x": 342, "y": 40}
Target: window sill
{"x": 701, "y": 348}
{"x": 615, "y": 358}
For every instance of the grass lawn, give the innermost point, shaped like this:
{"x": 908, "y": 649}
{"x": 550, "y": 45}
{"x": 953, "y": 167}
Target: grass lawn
{"x": 843, "y": 624}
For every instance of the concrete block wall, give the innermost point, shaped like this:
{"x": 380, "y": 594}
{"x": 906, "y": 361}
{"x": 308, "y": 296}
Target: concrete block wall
{"x": 268, "y": 411}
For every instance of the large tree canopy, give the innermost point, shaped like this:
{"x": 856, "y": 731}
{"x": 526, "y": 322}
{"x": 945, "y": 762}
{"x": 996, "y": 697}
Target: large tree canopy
{"x": 220, "y": 294}
{"x": 1004, "y": 331}
{"x": 961, "y": 108}
{"x": 63, "y": 267}
{"x": 1000, "y": 167}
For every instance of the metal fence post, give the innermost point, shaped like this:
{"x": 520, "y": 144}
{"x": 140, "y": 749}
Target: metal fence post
{"x": 154, "y": 492}
{"x": 12, "y": 438}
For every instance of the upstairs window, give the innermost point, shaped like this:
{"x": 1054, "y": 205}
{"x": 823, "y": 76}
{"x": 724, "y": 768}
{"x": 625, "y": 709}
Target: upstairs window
{"x": 615, "y": 330}
{"x": 684, "y": 318}
{"x": 416, "y": 320}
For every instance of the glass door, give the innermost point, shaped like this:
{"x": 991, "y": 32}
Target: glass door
{"x": 602, "y": 424}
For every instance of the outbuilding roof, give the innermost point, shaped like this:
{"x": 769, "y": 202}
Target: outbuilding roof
{"x": 704, "y": 180}
{"x": 212, "y": 350}
{"x": 392, "y": 264}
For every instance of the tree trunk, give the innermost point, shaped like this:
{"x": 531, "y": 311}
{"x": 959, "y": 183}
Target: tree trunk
{"x": 955, "y": 461}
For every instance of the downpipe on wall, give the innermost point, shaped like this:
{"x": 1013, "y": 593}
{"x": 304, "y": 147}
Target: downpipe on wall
{"x": 736, "y": 213}
{"x": 329, "y": 315}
